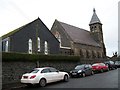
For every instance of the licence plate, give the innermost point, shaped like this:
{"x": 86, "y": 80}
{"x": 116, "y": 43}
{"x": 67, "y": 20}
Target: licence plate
{"x": 74, "y": 73}
{"x": 25, "y": 77}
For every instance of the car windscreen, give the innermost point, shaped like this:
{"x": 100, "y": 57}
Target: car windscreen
{"x": 79, "y": 67}
{"x": 106, "y": 62}
{"x": 34, "y": 71}
{"x": 102, "y": 64}
{"x": 117, "y": 62}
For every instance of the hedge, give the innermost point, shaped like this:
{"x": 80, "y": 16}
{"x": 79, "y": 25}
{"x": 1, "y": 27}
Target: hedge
{"x": 37, "y": 57}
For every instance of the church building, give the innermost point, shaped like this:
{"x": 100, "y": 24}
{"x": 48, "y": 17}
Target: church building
{"x": 81, "y": 42}
{"x": 32, "y": 38}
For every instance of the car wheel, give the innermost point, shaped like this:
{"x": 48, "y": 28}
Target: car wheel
{"x": 92, "y": 73}
{"x": 115, "y": 67}
{"x": 66, "y": 78}
{"x": 101, "y": 70}
{"x": 83, "y": 74}
{"x": 71, "y": 76}
{"x": 42, "y": 82}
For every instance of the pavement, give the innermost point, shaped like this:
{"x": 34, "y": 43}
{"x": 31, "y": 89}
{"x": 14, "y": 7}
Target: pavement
{"x": 12, "y": 85}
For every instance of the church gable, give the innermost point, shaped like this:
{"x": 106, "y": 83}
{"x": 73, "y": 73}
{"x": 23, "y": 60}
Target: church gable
{"x": 79, "y": 35}
{"x": 59, "y": 32}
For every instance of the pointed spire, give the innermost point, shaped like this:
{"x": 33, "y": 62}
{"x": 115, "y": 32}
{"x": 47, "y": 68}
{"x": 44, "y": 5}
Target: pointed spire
{"x": 94, "y": 18}
{"x": 94, "y": 10}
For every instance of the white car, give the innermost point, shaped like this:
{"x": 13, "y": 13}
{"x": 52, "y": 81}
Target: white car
{"x": 42, "y": 76}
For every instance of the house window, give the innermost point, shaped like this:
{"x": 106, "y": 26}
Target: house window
{"x": 30, "y": 46}
{"x": 46, "y": 48}
{"x": 6, "y": 46}
{"x": 39, "y": 45}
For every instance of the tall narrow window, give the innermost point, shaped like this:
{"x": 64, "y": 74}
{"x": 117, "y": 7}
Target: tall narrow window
{"x": 6, "y": 46}
{"x": 81, "y": 53}
{"x": 59, "y": 39}
{"x": 39, "y": 49}
{"x": 30, "y": 46}
{"x": 46, "y": 48}
{"x": 93, "y": 54}
{"x": 87, "y": 53}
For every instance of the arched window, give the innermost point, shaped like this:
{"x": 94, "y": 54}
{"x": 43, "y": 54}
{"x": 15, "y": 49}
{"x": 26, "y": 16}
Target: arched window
{"x": 81, "y": 53}
{"x": 101, "y": 54}
{"x": 59, "y": 39}
{"x": 98, "y": 54}
{"x": 93, "y": 54}
{"x": 95, "y": 27}
{"x": 30, "y": 46}
{"x": 6, "y": 46}
{"x": 57, "y": 35}
{"x": 39, "y": 48}
{"x": 46, "y": 48}
{"x": 87, "y": 53}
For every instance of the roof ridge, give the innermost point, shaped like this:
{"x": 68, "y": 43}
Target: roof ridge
{"x": 73, "y": 26}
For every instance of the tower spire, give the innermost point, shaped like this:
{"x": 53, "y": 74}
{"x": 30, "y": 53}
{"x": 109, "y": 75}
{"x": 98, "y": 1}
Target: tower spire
{"x": 96, "y": 31}
{"x": 94, "y": 10}
{"x": 94, "y": 18}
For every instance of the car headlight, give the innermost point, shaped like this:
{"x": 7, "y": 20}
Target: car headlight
{"x": 79, "y": 71}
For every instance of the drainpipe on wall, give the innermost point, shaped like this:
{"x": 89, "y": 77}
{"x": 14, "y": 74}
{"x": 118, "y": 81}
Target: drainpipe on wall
{"x": 37, "y": 44}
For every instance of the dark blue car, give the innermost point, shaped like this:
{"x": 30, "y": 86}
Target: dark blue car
{"x": 82, "y": 71}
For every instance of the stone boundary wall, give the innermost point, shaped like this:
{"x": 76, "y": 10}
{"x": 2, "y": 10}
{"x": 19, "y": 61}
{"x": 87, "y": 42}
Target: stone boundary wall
{"x": 12, "y": 71}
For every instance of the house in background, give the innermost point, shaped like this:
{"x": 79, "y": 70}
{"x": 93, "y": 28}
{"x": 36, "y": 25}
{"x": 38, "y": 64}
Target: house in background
{"x": 33, "y": 37}
{"x": 78, "y": 41}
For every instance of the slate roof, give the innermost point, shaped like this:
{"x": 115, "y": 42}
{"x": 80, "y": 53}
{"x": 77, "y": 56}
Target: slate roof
{"x": 12, "y": 32}
{"x": 94, "y": 18}
{"x": 79, "y": 35}
{"x": 16, "y": 30}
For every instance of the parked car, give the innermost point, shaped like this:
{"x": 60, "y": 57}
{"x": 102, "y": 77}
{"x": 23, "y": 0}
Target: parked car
{"x": 44, "y": 75}
{"x": 117, "y": 64}
{"x": 111, "y": 65}
{"x": 82, "y": 70}
{"x": 99, "y": 67}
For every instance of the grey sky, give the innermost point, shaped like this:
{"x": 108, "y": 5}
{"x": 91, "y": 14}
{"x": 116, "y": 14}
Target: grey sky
{"x": 15, "y": 13}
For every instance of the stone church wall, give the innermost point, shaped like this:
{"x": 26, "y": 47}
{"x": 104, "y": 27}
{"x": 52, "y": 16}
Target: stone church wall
{"x": 87, "y": 51}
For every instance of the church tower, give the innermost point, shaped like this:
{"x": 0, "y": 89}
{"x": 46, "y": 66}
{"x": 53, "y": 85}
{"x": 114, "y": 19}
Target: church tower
{"x": 96, "y": 30}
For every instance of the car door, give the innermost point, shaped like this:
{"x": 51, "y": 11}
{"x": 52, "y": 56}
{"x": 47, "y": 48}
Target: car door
{"x": 47, "y": 75}
{"x": 55, "y": 74}
{"x": 90, "y": 69}
{"x": 87, "y": 70}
